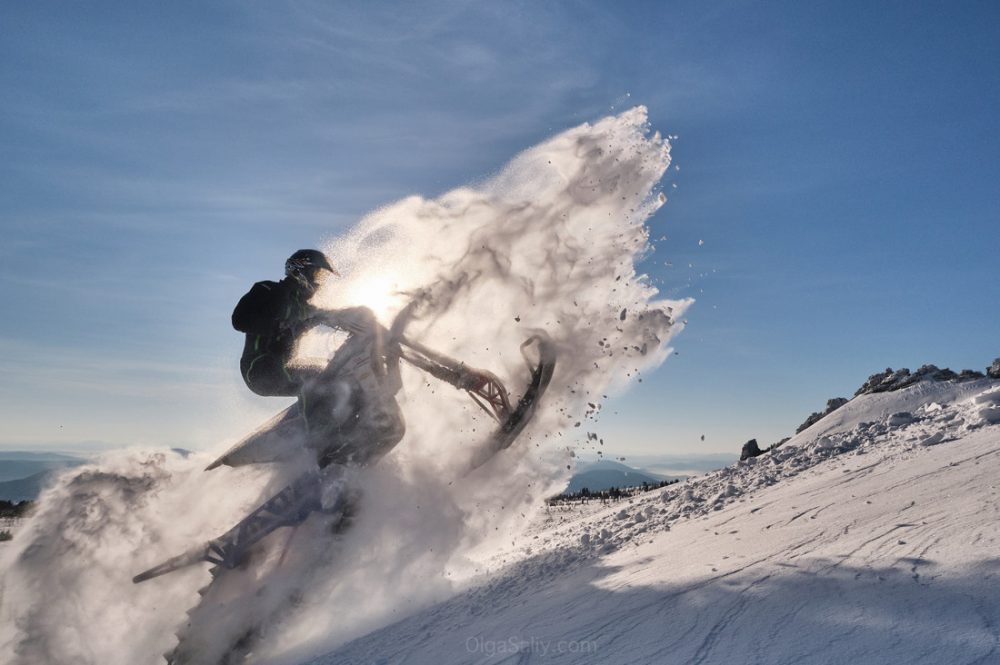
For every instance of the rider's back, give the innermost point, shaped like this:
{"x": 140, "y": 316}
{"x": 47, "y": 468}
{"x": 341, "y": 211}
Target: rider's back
{"x": 273, "y": 315}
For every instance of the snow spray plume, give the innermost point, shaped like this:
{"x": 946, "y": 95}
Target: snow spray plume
{"x": 548, "y": 244}
{"x": 66, "y": 594}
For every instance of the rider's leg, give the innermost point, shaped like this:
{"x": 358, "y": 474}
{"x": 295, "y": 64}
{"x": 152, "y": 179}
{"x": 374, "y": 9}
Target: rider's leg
{"x": 267, "y": 375}
{"x": 328, "y": 491}
{"x": 288, "y": 507}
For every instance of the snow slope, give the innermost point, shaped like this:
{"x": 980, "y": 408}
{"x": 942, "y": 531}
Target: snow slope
{"x": 871, "y": 537}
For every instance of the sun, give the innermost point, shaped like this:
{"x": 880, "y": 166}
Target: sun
{"x": 379, "y": 293}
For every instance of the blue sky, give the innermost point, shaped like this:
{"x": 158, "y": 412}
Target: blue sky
{"x": 839, "y": 160}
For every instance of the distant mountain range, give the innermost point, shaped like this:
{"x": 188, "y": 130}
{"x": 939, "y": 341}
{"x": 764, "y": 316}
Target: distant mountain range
{"x": 25, "y": 488}
{"x": 23, "y": 474}
{"x": 684, "y": 465}
{"x": 605, "y": 474}
{"x": 25, "y": 456}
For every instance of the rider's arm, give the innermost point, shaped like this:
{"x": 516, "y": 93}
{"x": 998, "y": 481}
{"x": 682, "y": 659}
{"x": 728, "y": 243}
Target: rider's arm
{"x": 354, "y": 320}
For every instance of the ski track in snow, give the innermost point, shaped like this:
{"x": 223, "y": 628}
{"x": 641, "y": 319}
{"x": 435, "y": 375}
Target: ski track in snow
{"x": 871, "y": 537}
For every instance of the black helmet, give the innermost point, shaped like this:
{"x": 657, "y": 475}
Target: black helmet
{"x": 304, "y": 266}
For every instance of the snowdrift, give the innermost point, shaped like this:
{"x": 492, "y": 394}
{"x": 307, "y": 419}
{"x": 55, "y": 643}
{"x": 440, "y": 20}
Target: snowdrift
{"x": 869, "y": 538}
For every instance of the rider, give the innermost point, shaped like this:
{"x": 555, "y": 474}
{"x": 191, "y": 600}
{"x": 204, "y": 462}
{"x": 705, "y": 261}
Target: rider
{"x": 350, "y": 404}
{"x": 273, "y": 315}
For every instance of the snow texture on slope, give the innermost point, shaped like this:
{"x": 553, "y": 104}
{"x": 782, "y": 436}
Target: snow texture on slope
{"x": 872, "y": 537}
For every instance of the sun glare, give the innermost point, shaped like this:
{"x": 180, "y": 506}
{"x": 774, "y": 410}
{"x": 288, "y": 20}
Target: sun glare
{"x": 378, "y": 293}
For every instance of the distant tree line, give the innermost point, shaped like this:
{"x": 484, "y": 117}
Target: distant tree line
{"x": 9, "y": 509}
{"x": 610, "y": 495}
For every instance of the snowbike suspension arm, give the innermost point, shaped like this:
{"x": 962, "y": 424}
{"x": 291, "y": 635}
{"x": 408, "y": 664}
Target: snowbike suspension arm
{"x": 483, "y": 387}
{"x": 289, "y": 507}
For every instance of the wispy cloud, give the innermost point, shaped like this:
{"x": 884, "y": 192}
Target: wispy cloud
{"x": 25, "y": 363}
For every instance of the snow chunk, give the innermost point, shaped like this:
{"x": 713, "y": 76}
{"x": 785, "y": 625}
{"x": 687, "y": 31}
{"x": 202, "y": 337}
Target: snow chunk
{"x": 900, "y": 418}
{"x": 990, "y": 414}
{"x": 933, "y": 439}
{"x": 992, "y": 397}
{"x": 826, "y": 443}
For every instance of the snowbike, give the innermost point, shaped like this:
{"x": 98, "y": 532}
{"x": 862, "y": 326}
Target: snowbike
{"x": 347, "y": 418}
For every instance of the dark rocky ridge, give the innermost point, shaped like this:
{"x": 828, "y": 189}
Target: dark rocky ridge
{"x": 831, "y": 406}
{"x": 891, "y": 380}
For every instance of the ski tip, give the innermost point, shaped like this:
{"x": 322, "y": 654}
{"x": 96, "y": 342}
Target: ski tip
{"x": 141, "y": 577}
{"x": 149, "y": 574}
{"x": 189, "y": 558}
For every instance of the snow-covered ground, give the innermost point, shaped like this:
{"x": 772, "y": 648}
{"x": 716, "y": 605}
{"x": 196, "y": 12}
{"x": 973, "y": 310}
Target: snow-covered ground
{"x": 871, "y": 537}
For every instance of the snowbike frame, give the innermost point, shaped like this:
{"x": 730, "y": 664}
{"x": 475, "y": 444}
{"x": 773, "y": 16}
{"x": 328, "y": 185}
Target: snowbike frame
{"x": 483, "y": 387}
{"x": 293, "y": 505}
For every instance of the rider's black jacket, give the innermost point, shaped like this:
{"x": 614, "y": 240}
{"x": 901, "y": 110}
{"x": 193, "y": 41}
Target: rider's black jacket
{"x": 273, "y": 315}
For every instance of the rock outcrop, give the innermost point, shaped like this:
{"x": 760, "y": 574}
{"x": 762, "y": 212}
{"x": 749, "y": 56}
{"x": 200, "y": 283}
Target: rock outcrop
{"x": 831, "y": 406}
{"x": 750, "y": 449}
{"x": 890, "y": 380}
